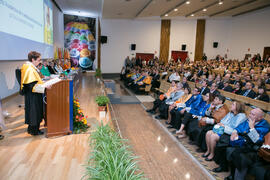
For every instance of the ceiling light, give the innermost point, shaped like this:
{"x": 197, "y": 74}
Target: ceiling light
{"x": 175, "y": 9}
{"x": 220, "y": 2}
{"x": 166, "y": 14}
{"x": 204, "y": 10}
{"x": 188, "y": 2}
{"x": 192, "y": 14}
{"x": 187, "y": 176}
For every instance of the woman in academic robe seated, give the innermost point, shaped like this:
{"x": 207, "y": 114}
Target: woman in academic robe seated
{"x": 162, "y": 98}
{"x": 178, "y": 113}
{"x": 262, "y": 95}
{"x": 32, "y": 88}
{"x": 213, "y": 115}
{"x": 174, "y": 96}
{"x": 180, "y": 102}
{"x": 58, "y": 67}
{"x": 192, "y": 114}
{"x": 226, "y": 125}
{"x": 194, "y": 119}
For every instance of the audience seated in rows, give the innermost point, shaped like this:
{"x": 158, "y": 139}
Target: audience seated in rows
{"x": 227, "y": 137}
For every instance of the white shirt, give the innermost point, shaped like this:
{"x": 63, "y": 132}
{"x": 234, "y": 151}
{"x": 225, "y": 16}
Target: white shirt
{"x": 174, "y": 77}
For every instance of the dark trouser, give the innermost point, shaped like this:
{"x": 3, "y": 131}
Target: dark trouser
{"x": 201, "y": 141}
{"x": 186, "y": 121}
{"x": 220, "y": 151}
{"x": 176, "y": 118}
{"x": 156, "y": 104}
{"x": 192, "y": 129}
{"x": 33, "y": 129}
{"x": 163, "y": 109}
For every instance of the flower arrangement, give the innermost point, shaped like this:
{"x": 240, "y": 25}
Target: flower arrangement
{"x": 79, "y": 120}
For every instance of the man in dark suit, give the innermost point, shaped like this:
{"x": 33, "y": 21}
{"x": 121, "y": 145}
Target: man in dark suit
{"x": 200, "y": 72}
{"x": 227, "y": 87}
{"x": 204, "y": 88}
{"x": 248, "y": 92}
{"x": 267, "y": 78}
{"x": 214, "y": 90}
{"x": 155, "y": 80}
{"x": 235, "y": 80}
{"x": 139, "y": 61}
{"x": 204, "y": 58}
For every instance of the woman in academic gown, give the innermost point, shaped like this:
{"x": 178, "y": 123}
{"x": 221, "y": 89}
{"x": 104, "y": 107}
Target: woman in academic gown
{"x": 32, "y": 88}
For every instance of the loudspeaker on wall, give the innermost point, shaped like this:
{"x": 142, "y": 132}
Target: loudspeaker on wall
{"x": 215, "y": 44}
{"x": 184, "y": 47}
{"x": 103, "y": 39}
{"x": 133, "y": 47}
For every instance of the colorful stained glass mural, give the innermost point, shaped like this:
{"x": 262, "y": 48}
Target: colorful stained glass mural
{"x": 80, "y": 40}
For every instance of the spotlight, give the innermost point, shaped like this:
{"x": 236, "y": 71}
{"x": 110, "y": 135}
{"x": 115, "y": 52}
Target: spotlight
{"x": 188, "y": 2}
{"x": 175, "y": 9}
{"x": 187, "y": 176}
{"x": 220, "y": 3}
{"x": 166, "y": 149}
{"x": 192, "y": 15}
{"x": 204, "y": 10}
{"x": 166, "y": 15}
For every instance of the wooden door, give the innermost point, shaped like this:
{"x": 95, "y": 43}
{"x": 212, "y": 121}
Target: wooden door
{"x": 266, "y": 51}
{"x": 181, "y": 54}
{"x": 145, "y": 56}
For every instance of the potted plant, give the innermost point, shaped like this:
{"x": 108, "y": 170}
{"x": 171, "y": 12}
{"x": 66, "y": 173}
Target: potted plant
{"x": 98, "y": 74}
{"x": 102, "y": 101}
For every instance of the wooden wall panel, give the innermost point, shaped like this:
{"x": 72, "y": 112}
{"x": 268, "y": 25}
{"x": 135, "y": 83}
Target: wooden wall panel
{"x": 165, "y": 40}
{"x": 199, "y": 39}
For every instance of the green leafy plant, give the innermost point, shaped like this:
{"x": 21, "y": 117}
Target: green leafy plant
{"x": 98, "y": 72}
{"x": 102, "y": 100}
{"x": 111, "y": 158}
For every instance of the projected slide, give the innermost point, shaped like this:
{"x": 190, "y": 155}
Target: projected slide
{"x": 26, "y": 25}
{"x": 48, "y": 22}
{"x": 22, "y": 18}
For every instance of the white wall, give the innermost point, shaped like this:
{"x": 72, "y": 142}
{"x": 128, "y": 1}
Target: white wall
{"x": 238, "y": 34}
{"x": 183, "y": 32}
{"x": 121, "y": 34}
{"x": 250, "y": 31}
{"x": 216, "y": 31}
{"x": 8, "y": 80}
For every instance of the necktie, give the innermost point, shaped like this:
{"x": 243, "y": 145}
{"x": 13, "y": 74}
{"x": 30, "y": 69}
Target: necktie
{"x": 246, "y": 93}
{"x": 202, "y": 90}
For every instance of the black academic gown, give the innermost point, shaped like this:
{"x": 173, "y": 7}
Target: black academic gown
{"x": 33, "y": 107}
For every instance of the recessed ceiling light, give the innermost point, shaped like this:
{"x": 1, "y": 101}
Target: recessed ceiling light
{"x": 220, "y": 2}
{"x": 192, "y": 14}
{"x": 188, "y": 2}
{"x": 204, "y": 10}
{"x": 175, "y": 9}
{"x": 166, "y": 14}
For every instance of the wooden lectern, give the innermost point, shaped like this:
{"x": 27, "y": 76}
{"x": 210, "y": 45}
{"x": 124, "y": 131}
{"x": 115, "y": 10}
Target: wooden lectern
{"x": 59, "y": 109}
